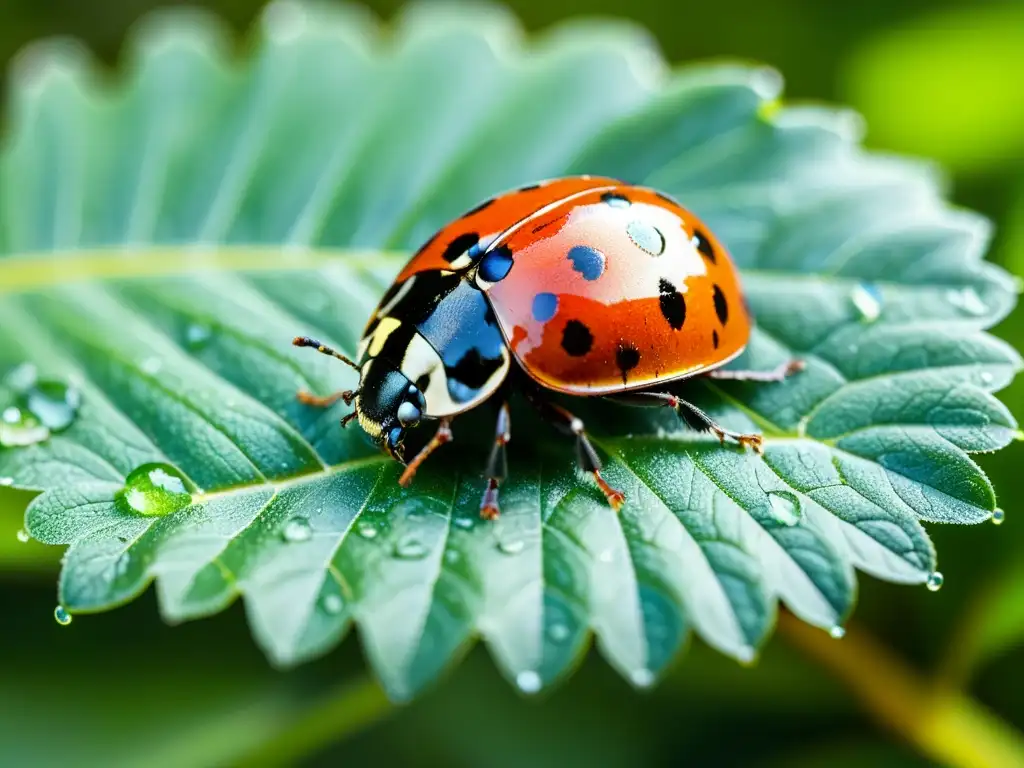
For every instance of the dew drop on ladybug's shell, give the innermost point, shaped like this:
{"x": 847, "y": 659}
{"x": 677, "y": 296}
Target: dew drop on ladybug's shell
{"x": 617, "y": 288}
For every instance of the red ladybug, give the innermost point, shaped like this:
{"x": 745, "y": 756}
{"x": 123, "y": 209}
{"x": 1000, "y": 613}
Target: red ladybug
{"x": 593, "y": 287}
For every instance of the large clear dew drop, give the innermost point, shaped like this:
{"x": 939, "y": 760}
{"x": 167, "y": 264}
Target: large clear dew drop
{"x": 154, "y": 490}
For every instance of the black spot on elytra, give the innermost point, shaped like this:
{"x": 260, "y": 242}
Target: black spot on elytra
{"x": 721, "y": 306}
{"x": 477, "y": 209}
{"x": 459, "y": 246}
{"x": 423, "y": 382}
{"x": 702, "y": 244}
{"x": 627, "y": 357}
{"x": 714, "y": 338}
{"x": 576, "y": 338}
{"x": 673, "y": 305}
{"x": 615, "y": 200}
{"x": 496, "y": 264}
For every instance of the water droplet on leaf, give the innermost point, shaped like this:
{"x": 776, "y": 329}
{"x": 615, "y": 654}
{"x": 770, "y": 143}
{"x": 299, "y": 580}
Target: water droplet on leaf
{"x": 53, "y": 403}
{"x": 935, "y": 580}
{"x": 61, "y": 615}
{"x": 333, "y": 604}
{"x": 867, "y": 299}
{"x": 366, "y": 530}
{"x": 23, "y": 536}
{"x": 642, "y": 678}
{"x": 19, "y": 428}
{"x": 987, "y": 378}
{"x": 528, "y": 681}
{"x": 452, "y": 556}
{"x": 998, "y": 516}
{"x": 559, "y": 632}
{"x": 151, "y": 365}
{"x": 837, "y": 632}
{"x": 785, "y": 507}
{"x": 297, "y": 529}
{"x": 154, "y": 490}
{"x": 511, "y": 546}
{"x": 465, "y": 523}
{"x": 606, "y": 556}
{"x": 196, "y": 336}
{"x": 410, "y": 548}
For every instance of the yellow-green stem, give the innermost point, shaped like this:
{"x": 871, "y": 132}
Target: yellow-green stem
{"x": 349, "y": 709}
{"x": 944, "y": 725}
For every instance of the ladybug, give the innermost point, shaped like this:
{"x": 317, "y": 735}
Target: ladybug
{"x": 587, "y": 285}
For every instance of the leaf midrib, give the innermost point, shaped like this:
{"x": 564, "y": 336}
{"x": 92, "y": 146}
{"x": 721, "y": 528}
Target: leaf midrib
{"x": 22, "y": 272}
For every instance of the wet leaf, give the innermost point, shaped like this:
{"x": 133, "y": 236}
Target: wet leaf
{"x": 166, "y": 235}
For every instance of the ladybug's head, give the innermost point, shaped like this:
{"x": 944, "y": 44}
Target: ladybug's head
{"x": 388, "y": 404}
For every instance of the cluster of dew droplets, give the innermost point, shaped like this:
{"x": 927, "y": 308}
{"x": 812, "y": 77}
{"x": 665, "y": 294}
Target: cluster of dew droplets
{"x": 31, "y": 408}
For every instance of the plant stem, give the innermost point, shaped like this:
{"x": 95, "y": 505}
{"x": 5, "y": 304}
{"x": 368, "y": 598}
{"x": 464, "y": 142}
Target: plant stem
{"x": 945, "y": 725}
{"x": 349, "y": 709}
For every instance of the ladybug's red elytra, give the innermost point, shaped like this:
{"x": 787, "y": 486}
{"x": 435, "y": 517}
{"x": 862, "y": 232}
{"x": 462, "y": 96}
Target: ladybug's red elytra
{"x": 588, "y": 285}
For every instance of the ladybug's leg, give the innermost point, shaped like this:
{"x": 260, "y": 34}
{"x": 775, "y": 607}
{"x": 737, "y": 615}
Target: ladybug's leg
{"x": 307, "y": 398}
{"x": 497, "y": 465}
{"x": 691, "y": 414}
{"x": 586, "y": 456}
{"x": 442, "y": 436}
{"x": 779, "y": 373}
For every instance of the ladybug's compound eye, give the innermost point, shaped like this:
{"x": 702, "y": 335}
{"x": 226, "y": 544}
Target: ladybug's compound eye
{"x": 408, "y": 414}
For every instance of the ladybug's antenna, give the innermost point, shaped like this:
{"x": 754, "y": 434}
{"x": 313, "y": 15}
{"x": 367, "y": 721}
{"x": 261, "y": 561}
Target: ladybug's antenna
{"x": 305, "y": 341}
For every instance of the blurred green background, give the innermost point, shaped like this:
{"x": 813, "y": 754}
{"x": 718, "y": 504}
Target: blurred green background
{"x": 936, "y": 78}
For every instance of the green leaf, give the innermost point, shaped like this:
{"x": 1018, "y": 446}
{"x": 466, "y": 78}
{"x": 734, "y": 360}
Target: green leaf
{"x": 168, "y": 234}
